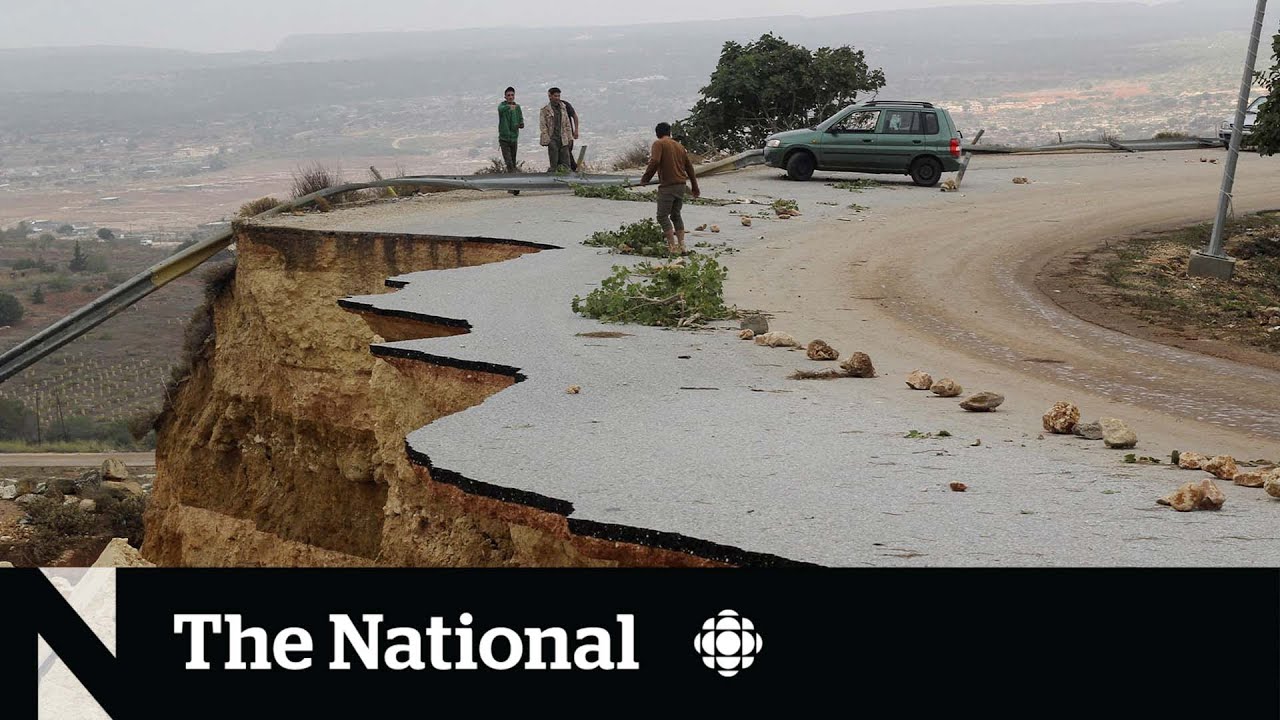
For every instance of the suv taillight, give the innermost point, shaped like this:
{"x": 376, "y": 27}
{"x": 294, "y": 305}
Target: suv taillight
{"x": 955, "y": 147}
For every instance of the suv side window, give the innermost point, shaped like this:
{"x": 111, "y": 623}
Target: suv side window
{"x": 930, "y": 123}
{"x": 902, "y": 122}
{"x": 863, "y": 121}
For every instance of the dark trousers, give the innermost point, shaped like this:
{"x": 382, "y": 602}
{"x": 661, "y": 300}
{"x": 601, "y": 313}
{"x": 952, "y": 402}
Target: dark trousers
{"x": 509, "y": 153}
{"x": 559, "y": 155}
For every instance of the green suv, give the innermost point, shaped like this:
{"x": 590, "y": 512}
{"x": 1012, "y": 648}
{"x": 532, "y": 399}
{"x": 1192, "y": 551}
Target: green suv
{"x": 882, "y": 136}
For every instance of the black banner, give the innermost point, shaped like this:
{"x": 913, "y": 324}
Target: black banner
{"x": 880, "y": 643}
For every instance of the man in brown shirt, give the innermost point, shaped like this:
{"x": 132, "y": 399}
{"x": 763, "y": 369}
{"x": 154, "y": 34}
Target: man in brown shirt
{"x": 671, "y": 162}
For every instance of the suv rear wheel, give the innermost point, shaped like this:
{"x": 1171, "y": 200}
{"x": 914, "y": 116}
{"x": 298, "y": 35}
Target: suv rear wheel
{"x": 800, "y": 165}
{"x": 926, "y": 171}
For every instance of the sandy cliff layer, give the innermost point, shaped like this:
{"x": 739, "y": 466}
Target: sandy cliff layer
{"x": 286, "y": 444}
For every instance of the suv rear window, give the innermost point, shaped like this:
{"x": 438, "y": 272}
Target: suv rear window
{"x": 930, "y": 123}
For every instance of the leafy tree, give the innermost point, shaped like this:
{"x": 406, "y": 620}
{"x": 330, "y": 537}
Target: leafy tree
{"x": 106, "y": 234}
{"x": 66, "y": 229}
{"x": 16, "y": 421}
{"x": 11, "y": 310}
{"x": 79, "y": 261}
{"x": 37, "y": 295}
{"x": 1266, "y": 131}
{"x": 771, "y": 85}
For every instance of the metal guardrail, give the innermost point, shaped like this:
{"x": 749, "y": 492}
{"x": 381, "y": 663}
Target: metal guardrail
{"x": 1114, "y": 146}
{"x": 166, "y": 271}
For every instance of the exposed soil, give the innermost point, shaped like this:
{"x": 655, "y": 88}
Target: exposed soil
{"x": 1139, "y": 286}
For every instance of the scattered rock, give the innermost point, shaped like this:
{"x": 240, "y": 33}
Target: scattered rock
{"x": 6, "y": 564}
{"x": 746, "y": 334}
{"x": 119, "y": 553}
{"x": 1255, "y": 479}
{"x": 1223, "y": 467}
{"x": 776, "y": 339}
{"x": 949, "y": 186}
{"x": 1088, "y": 431}
{"x": 8, "y": 490}
{"x": 983, "y": 402}
{"x": 89, "y": 506}
{"x": 746, "y": 222}
{"x": 1269, "y": 316}
{"x": 946, "y": 387}
{"x": 1191, "y": 460}
{"x": 1272, "y": 483}
{"x": 700, "y": 228}
{"x": 757, "y": 324}
{"x": 114, "y": 469}
{"x": 574, "y": 389}
{"x": 1212, "y": 499}
{"x": 958, "y": 487}
{"x": 65, "y": 486}
{"x": 122, "y": 489}
{"x": 1117, "y": 435}
{"x": 70, "y": 500}
{"x": 28, "y": 500}
{"x": 25, "y": 486}
{"x": 1061, "y": 418}
{"x": 820, "y": 350}
{"x": 1021, "y": 181}
{"x": 715, "y": 228}
{"x": 859, "y": 365}
{"x": 919, "y": 380}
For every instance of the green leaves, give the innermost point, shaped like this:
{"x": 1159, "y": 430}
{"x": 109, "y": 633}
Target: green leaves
{"x": 638, "y": 238}
{"x": 687, "y": 292}
{"x": 771, "y": 85}
{"x": 1266, "y": 131}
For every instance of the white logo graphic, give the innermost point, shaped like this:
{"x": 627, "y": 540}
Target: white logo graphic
{"x": 728, "y": 643}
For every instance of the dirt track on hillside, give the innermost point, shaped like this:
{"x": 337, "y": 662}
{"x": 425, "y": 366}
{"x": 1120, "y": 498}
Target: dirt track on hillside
{"x": 947, "y": 282}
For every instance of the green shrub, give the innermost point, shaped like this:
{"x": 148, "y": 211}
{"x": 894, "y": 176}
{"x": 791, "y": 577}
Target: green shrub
{"x": 683, "y": 293}
{"x": 638, "y": 238}
{"x": 11, "y": 310}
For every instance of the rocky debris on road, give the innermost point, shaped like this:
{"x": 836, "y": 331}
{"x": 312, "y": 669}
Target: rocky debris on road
{"x": 820, "y": 350}
{"x": 859, "y": 365}
{"x": 1088, "y": 431}
{"x": 573, "y": 389}
{"x": 1191, "y": 460}
{"x": 1117, "y": 435}
{"x": 983, "y": 402}
{"x": 948, "y": 388}
{"x": 715, "y": 228}
{"x": 958, "y": 487}
{"x": 1204, "y": 495}
{"x": 114, "y": 469}
{"x": 819, "y": 375}
{"x": 949, "y": 186}
{"x": 1272, "y": 484}
{"x": 700, "y": 228}
{"x": 757, "y": 324}
{"x": 1021, "y": 181}
{"x": 746, "y": 334}
{"x": 919, "y": 380}
{"x": 1061, "y": 418}
{"x": 776, "y": 339}
{"x": 1255, "y": 479}
{"x": 1223, "y": 467}
{"x": 746, "y": 222}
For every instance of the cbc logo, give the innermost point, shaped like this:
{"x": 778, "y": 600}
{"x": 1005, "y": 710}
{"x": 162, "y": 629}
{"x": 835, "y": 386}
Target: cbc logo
{"x": 728, "y": 643}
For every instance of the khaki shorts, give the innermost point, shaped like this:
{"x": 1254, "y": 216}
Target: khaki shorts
{"x": 670, "y": 201}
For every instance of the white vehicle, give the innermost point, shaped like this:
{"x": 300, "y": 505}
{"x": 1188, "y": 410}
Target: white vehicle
{"x": 1250, "y": 117}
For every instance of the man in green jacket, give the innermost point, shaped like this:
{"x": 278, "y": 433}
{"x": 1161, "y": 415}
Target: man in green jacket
{"x": 510, "y": 121}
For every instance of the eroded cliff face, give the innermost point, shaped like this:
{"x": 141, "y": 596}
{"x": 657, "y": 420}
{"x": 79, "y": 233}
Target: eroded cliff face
{"x": 286, "y": 445}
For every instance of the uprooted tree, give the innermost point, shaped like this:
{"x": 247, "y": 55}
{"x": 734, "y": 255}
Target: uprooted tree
{"x": 771, "y": 85}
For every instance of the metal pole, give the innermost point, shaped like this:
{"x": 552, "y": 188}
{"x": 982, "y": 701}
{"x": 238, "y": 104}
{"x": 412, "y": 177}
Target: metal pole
{"x": 1233, "y": 151}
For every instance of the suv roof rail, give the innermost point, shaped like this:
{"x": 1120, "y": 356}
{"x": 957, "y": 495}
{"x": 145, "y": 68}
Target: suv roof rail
{"x": 899, "y": 102}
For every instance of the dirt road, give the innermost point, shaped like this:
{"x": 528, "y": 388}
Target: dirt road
{"x": 946, "y": 282}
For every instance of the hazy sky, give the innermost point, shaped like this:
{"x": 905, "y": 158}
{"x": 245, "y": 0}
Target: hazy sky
{"x": 226, "y": 25}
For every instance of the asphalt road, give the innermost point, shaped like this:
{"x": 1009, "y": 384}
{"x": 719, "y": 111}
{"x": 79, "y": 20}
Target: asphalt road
{"x": 144, "y": 459}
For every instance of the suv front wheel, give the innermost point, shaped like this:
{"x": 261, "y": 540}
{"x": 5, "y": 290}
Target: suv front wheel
{"x": 926, "y": 171}
{"x": 800, "y": 165}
